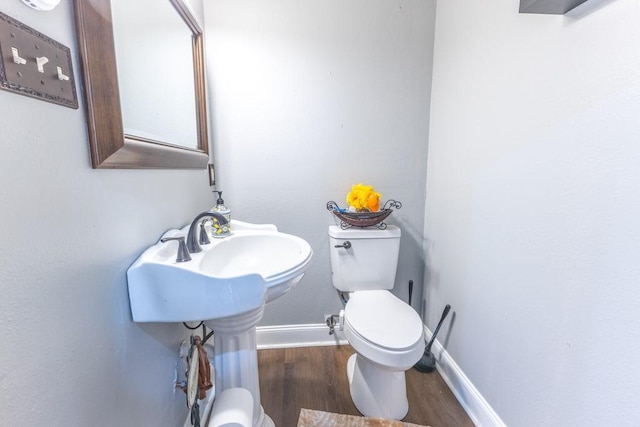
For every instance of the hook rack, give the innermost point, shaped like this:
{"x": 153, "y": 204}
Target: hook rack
{"x": 38, "y": 66}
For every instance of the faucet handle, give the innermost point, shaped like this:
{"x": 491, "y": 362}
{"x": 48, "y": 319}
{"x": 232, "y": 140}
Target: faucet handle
{"x": 183, "y": 252}
{"x": 204, "y": 239}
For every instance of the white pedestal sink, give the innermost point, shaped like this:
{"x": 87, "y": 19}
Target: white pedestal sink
{"x": 226, "y": 285}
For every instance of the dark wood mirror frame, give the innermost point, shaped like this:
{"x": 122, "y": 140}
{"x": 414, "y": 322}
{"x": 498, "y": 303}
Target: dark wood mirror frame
{"x": 110, "y": 147}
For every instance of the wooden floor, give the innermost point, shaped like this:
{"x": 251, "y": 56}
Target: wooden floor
{"x": 316, "y": 378}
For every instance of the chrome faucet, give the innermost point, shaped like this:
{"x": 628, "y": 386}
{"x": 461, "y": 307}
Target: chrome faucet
{"x": 192, "y": 240}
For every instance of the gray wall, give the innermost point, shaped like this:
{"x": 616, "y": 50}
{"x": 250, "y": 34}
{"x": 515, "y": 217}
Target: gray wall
{"x": 341, "y": 97}
{"x": 70, "y": 354}
{"x": 532, "y": 214}
{"x": 309, "y": 98}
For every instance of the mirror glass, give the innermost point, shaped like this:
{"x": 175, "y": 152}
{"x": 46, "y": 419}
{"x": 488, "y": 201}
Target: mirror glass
{"x": 144, "y": 83}
{"x": 154, "y": 57}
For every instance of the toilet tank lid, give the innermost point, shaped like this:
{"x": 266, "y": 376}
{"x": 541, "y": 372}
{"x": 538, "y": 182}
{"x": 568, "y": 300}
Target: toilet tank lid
{"x": 390, "y": 232}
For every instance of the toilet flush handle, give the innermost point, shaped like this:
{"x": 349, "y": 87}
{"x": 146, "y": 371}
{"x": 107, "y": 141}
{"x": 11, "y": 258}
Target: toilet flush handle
{"x": 346, "y": 245}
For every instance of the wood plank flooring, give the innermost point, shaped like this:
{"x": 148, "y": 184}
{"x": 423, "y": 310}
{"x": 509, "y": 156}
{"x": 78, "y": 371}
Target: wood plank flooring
{"x": 316, "y": 378}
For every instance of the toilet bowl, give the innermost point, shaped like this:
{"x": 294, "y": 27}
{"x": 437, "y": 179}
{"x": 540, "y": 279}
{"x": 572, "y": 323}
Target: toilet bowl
{"x": 386, "y": 333}
{"x": 387, "y": 336}
{"x": 384, "y": 329}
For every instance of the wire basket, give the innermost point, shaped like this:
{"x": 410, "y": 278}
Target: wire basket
{"x": 363, "y": 219}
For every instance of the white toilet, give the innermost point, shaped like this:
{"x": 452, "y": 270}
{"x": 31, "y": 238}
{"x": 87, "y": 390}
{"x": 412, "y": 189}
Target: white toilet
{"x": 386, "y": 333}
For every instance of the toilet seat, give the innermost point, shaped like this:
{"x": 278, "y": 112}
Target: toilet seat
{"x": 384, "y": 329}
{"x": 383, "y": 319}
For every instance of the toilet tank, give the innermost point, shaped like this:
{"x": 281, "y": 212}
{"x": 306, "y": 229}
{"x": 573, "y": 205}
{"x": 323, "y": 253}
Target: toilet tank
{"x": 371, "y": 261}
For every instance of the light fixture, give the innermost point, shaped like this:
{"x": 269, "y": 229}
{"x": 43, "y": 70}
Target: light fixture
{"x": 41, "y": 4}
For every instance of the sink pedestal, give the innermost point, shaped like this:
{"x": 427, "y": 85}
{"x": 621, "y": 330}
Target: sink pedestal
{"x": 236, "y": 358}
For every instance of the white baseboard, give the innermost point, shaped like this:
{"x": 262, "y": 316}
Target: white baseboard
{"x": 290, "y": 336}
{"x": 474, "y": 404}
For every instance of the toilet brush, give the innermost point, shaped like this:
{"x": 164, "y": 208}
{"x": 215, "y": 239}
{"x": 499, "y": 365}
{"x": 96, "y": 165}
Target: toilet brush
{"x": 427, "y": 362}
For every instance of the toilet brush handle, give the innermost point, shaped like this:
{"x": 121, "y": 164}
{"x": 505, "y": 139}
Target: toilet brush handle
{"x": 410, "y": 290}
{"x": 433, "y": 337}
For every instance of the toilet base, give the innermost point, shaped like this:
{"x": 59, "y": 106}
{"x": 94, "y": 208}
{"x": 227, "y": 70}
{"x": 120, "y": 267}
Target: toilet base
{"x": 375, "y": 391}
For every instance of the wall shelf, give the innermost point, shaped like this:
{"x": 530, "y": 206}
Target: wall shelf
{"x": 551, "y": 7}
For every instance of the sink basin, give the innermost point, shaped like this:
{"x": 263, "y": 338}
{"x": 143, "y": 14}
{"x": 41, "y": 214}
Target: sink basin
{"x": 279, "y": 259}
{"x": 254, "y": 265}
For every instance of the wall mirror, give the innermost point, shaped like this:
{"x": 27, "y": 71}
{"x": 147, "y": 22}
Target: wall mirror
{"x": 143, "y": 71}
